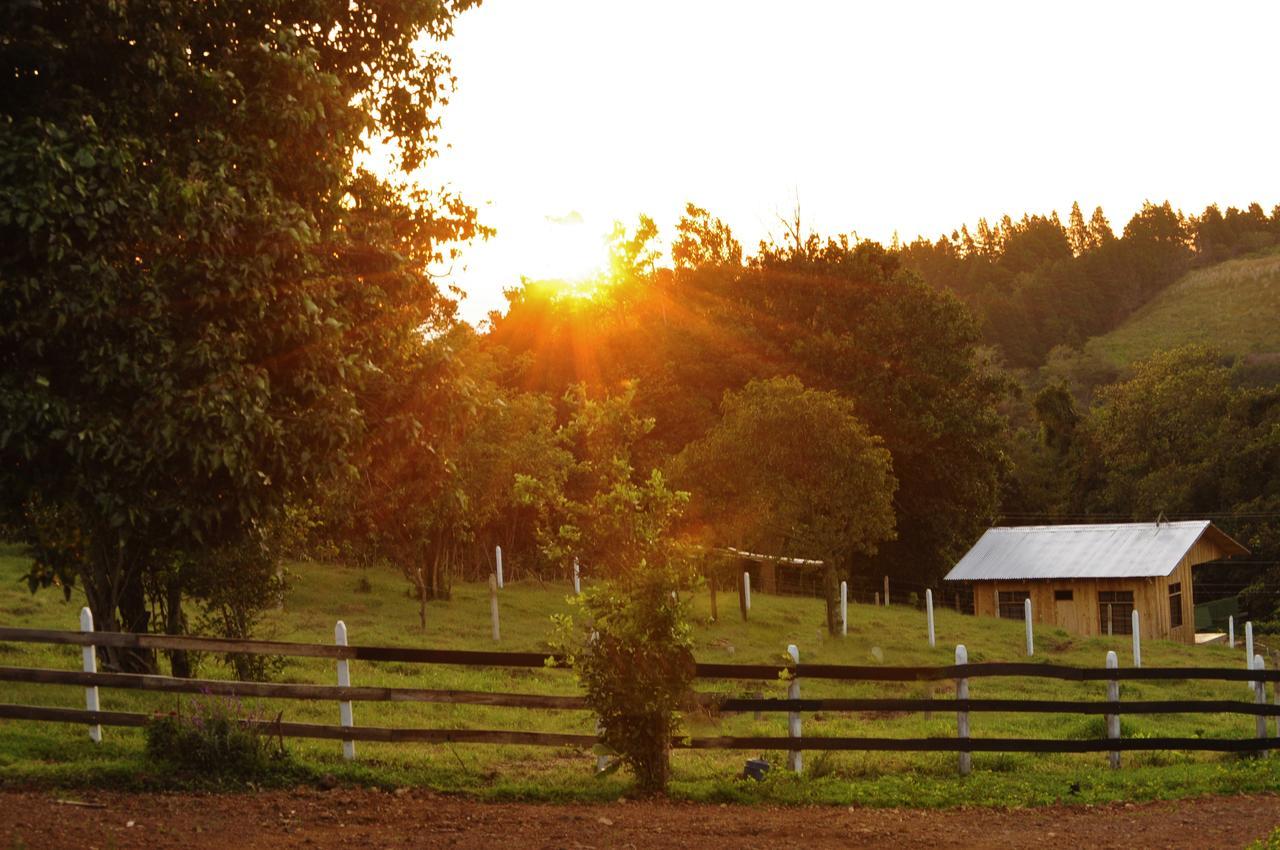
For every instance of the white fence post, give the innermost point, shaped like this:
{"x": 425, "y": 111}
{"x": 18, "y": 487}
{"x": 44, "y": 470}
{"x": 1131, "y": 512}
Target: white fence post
{"x": 344, "y": 681}
{"x": 1113, "y": 695}
{"x": 1248, "y": 647}
{"x": 497, "y": 559}
{"x": 1137, "y": 639}
{"x": 493, "y": 607}
{"x": 795, "y": 761}
{"x": 1260, "y": 697}
{"x": 746, "y": 591}
{"x": 90, "y": 666}
{"x": 844, "y": 608}
{"x": 1231, "y": 631}
{"x": 1026, "y": 614}
{"x": 577, "y": 581}
{"x": 928, "y": 610}
{"x": 962, "y": 717}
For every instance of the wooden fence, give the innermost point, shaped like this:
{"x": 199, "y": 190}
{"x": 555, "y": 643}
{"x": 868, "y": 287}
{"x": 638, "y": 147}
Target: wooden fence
{"x": 794, "y": 705}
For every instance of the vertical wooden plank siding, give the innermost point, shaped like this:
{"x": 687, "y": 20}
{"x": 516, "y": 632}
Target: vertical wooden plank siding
{"x": 1081, "y": 615}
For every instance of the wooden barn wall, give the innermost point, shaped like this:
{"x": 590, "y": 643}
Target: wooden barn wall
{"x": 1081, "y": 615}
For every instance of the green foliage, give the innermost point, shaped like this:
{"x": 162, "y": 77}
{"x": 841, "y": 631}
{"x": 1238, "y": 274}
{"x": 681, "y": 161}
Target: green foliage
{"x": 826, "y": 496}
{"x": 631, "y": 647}
{"x": 199, "y": 287}
{"x": 215, "y": 739}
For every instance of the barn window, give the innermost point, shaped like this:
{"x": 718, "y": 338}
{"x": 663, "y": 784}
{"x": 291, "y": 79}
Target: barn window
{"x": 1115, "y": 612}
{"x": 1175, "y": 605}
{"x": 1010, "y": 604}
{"x": 1063, "y": 596}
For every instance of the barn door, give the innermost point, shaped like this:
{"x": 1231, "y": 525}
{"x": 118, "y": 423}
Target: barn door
{"x": 1064, "y": 610}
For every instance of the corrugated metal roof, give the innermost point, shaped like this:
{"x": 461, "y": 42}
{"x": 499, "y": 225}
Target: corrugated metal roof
{"x": 1114, "y": 550}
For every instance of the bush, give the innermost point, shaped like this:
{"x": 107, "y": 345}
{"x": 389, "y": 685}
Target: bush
{"x": 216, "y": 738}
{"x": 632, "y": 650}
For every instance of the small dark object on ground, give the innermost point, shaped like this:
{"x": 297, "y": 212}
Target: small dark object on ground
{"x": 755, "y": 769}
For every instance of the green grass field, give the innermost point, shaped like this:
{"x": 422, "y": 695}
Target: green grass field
{"x": 60, "y": 755}
{"x": 1230, "y": 306}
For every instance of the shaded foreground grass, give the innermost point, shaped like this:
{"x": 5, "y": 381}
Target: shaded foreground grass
{"x": 60, "y": 755}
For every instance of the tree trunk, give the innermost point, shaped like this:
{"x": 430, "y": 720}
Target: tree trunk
{"x": 176, "y": 624}
{"x": 831, "y": 590}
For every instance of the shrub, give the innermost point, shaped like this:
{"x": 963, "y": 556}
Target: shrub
{"x": 215, "y": 737}
{"x": 631, "y": 647}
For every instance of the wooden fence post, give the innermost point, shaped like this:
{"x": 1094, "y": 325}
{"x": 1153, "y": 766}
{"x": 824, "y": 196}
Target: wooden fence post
{"x": 1260, "y": 697}
{"x": 493, "y": 607}
{"x": 577, "y": 580}
{"x": 746, "y": 594}
{"x": 928, "y": 609}
{"x": 90, "y": 666}
{"x": 344, "y": 681}
{"x": 844, "y": 608}
{"x": 1026, "y": 615}
{"x": 711, "y": 585}
{"x": 877, "y": 599}
{"x": 886, "y": 591}
{"x": 1248, "y": 647}
{"x": 795, "y": 761}
{"x": 497, "y": 558}
{"x": 1231, "y": 631}
{"x": 1137, "y": 639}
{"x": 1113, "y": 720}
{"x": 962, "y": 716}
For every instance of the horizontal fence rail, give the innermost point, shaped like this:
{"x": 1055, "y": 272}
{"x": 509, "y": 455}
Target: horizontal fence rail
{"x": 710, "y": 703}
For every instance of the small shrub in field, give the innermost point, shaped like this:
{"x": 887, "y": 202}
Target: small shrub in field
{"x": 214, "y": 737}
{"x": 632, "y": 650}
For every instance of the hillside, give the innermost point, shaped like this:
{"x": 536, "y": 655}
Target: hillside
{"x": 1231, "y": 306}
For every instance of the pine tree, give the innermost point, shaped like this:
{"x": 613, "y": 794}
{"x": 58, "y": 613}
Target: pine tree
{"x": 1078, "y": 232}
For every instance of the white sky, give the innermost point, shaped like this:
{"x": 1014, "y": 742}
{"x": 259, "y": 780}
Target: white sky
{"x": 906, "y": 116}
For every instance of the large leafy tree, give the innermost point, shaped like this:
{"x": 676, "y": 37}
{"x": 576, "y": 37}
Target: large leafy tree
{"x": 198, "y": 287}
{"x": 793, "y": 471}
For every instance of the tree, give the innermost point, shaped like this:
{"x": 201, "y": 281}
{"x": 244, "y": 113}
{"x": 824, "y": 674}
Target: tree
{"x": 794, "y": 471}
{"x": 198, "y": 285}
{"x": 704, "y": 240}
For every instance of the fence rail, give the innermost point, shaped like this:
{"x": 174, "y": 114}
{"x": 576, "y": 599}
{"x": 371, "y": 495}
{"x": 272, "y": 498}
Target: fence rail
{"x": 712, "y": 703}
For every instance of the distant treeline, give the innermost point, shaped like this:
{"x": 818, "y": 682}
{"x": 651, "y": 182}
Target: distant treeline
{"x": 1034, "y": 283}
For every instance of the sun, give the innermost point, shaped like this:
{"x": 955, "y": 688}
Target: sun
{"x": 564, "y": 249}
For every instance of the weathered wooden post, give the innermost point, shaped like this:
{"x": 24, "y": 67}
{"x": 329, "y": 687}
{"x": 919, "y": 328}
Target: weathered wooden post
{"x": 886, "y": 591}
{"x": 877, "y": 599}
{"x": 962, "y": 715}
{"x": 90, "y": 666}
{"x": 577, "y": 580}
{"x": 746, "y": 594}
{"x": 344, "y": 681}
{"x": 844, "y": 608}
{"x": 497, "y": 559}
{"x": 1026, "y": 615}
{"x": 711, "y": 585}
{"x": 795, "y": 761}
{"x": 1231, "y": 631}
{"x": 493, "y": 607}
{"x": 1248, "y": 647}
{"x": 928, "y": 610}
{"x": 1113, "y": 720}
{"x": 1260, "y": 697}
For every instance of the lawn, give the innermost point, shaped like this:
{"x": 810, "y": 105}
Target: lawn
{"x": 377, "y": 611}
{"x": 1230, "y": 306}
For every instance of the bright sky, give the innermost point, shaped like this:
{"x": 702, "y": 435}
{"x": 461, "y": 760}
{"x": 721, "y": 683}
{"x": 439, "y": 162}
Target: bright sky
{"x": 912, "y": 117}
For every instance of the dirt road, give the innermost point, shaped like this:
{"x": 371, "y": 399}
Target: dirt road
{"x": 418, "y": 819}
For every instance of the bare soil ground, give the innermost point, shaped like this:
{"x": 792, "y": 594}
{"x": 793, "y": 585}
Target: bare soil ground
{"x": 413, "y": 819}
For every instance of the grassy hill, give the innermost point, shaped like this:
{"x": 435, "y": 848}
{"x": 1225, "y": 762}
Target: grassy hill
{"x": 377, "y": 611}
{"x": 1231, "y": 306}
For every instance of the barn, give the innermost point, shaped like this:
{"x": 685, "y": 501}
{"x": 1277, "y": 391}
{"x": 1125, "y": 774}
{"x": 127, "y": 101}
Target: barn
{"x": 1088, "y": 579}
